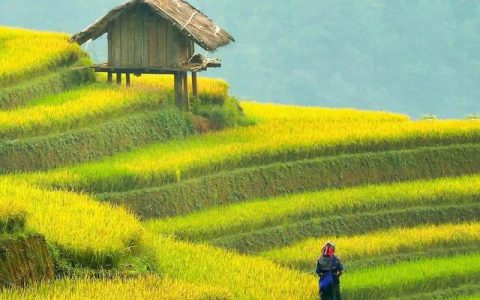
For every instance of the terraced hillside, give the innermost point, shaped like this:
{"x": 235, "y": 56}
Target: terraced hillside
{"x": 137, "y": 198}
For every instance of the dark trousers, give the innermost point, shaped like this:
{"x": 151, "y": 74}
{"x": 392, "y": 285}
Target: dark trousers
{"x": 332, "y": 293}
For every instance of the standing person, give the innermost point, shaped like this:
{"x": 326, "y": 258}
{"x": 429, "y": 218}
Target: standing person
{"x": 329, "y": 269}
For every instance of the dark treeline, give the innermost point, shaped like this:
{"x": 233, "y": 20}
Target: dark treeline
{"x": 416, "y": 57}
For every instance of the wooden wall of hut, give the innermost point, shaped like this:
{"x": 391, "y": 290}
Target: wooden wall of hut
{"x": 139, "y": 39}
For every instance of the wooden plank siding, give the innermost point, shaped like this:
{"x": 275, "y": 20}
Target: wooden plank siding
{"x": 129, "y": 39}
{"x": 137, "y": 26}
{"x": 182, "y": 48}
{"x": 122, "y": 23}
{"x": 162, "y": 43}
{"x": 140, "y": 40}
{"x": 153, "y": 42}
{"x": 116, "y": 43}
{"x": 145, "y": 19}
{"x": 110, "y": 47}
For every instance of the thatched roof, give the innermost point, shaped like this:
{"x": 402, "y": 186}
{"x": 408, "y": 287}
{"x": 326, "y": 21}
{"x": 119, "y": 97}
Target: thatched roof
{"x": 189, "y": 20}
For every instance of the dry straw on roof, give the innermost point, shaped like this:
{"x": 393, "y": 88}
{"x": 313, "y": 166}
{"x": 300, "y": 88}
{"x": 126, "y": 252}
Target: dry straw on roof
{"x": 184, "y": 16}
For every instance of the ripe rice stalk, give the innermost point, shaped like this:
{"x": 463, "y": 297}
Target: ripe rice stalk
{"x": 294, "y": 133}
{"x": 24, "y": 53}
{"x": 149, "y": 287}
{"x": 258, "y": 214}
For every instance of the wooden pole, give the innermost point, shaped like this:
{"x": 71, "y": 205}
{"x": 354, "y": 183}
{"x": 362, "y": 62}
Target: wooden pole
{"x": 119, "y": 78}
{"x": 128, "y": 79}
{"x": 186, "y": 96}
{"x": 194, "y": 84}
{"x": 178, "y": 78}
{"x": 110, "y": 77}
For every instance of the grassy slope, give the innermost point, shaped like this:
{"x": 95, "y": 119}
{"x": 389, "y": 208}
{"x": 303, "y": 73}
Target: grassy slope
{"x": 289, "y": 139}
{"x": 464, "y": 291}
{"x": 259, "y": 214}
{"x": 43, "y": 121}
{"x": 35, "y": 64}
{"x": 245, "y": 276}
{"x": 94, "y": 234}
{"x": 413, "y": 277}
{"x": 288, "y": 234}
{"x": 58, "y": 81}
{"x": 473, "y": 297}
{"x": 98, "y": 102}
{"x": 77, "y": 108}
{"x": 91, "y": 233}
{"x": 19, "y": 60}
{"x": 93, "y": 142}
{"x": 285, "y": 178}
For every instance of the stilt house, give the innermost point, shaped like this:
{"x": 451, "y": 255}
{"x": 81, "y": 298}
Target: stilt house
{"x": 157, "y": 37}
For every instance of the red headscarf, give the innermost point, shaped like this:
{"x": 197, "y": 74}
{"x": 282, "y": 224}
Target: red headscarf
{"x": 328, "y": 249}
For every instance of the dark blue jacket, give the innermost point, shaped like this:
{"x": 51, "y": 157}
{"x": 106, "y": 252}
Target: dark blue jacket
{"x": 325, "y": 264}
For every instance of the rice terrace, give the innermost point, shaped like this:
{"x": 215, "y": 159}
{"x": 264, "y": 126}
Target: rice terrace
{"x": 141, "y": 178}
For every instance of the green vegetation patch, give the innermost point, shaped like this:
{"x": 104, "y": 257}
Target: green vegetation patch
{"x": 12, "y": 223}
{"x": 12, "y": 216}
{"x": 24, "y": 259}
{"x": 465, "y": 291}
{"x": 413, "y": 277}
{"x": 475, "y": 296}
{"x": 228, "y": 114}
{"x": 443, "y": 251}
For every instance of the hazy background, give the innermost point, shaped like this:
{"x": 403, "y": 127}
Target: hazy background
{"x": 411, "y": 56}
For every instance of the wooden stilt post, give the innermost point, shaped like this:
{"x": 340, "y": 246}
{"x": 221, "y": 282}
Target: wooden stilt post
{"x": 128, "y": 78}
{"x": 119, "y": 78}
{"x": 178, "y": 79}
{"x": 186, "y": 96}
{"x": 110, "y": 77}
{"x": 194, "y": 84}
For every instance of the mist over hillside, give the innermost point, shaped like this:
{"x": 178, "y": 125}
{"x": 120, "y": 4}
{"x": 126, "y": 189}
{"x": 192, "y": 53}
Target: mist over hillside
{"x": 416, "y": 57}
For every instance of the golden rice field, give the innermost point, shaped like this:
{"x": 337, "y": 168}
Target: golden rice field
{"x": 290, "y": 137}
{"x": 378, "y": 244}
{"x": 149, "y": 287}
{"x": 257, "y": 214}
{"x": 76, "y": 108}
{"x": 238, "y": 274}
{"x": 14, "y": 207}
{"x": 18, "y": 60}
{"x": 167, "y": 258}
{"x": 246, "y": 277}
{"x": 94, "y": 103}
{"x": 85, "y": 228}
